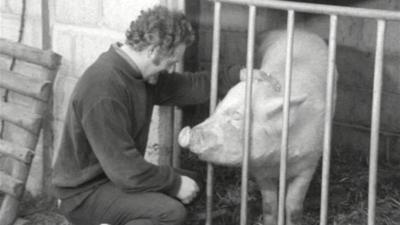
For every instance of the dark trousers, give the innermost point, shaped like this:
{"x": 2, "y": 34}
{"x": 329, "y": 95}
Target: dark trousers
{"x": 110, "y": 205}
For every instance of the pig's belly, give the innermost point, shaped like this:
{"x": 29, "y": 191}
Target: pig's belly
{"x": 296, "y": 163}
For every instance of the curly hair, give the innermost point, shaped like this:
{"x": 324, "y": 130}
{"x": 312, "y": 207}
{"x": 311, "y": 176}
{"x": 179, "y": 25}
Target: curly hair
{"x": 160, "y": 27}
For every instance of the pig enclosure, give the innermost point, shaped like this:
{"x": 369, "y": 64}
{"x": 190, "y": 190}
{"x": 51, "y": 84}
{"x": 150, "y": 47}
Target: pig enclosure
{"x": 78, "y": 40}
{"x": 351, "y": 128}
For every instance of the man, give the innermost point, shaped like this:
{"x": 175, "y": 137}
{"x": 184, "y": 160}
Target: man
{"x": 100, "y": 174}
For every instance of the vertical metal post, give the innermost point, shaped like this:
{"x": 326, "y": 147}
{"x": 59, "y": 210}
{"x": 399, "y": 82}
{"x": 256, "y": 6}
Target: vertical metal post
{"x": 248, "y": 113}
{"x": 328, "y": 120}
{"x": 177, "y": 112}
{"x": 285, "y": 126}
{"x": 213, "y": 102}
{"x": 376, "y": 107}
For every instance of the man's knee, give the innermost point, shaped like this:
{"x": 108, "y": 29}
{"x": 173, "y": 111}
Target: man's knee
{"x": 174, "y": 215}
{"x": 140, "y": 222}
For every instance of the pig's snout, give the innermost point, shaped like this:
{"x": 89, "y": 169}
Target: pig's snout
{"x": 184, "y": 137}
{"x": 197, "y": 139}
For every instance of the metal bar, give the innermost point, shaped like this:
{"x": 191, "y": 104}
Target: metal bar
{"x": 328, "y": 120}
{"x": 320, "y": 8}
{"x": 376, "y": 107}
{"x": 285, "y": 125}
{"x": 248, "y": 114}
{"x": 177, "y": 112}
{"x": 213, "y": 102}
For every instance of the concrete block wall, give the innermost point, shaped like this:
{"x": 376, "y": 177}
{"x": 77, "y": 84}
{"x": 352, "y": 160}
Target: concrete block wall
{"x": 81, "y": 30}
{"x": 10, "y": 11}
{"x": 355, "y": 64}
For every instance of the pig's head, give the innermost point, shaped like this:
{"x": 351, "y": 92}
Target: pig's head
{"x": 219, "y": 139}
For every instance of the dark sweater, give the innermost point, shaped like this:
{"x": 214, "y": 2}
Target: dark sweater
{"x": 107, "y": 126}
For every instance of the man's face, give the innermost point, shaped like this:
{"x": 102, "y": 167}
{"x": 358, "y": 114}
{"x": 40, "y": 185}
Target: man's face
{"x": 162, "y": 63}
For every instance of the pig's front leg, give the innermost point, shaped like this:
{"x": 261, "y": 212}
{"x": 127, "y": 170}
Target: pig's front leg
{"x": 268, "y": 189}
{"x": 296, "y": 192}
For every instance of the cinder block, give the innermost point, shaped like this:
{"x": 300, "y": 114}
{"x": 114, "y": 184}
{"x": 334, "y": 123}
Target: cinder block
{"x": 4, "y": 8}
{"x": 88, "y": 49}
{"x": 9, "y": 25}
{"x": 33, "y": 32}
{"x": 118, "y": 14}
{"x": 33, "y": 7}
{"x": 62, "y": 91}
{"x": 64, "y": 41}
{"x": 9, "y": 29}
{"x": 78, "y": 12}
{"x": 64, "y": 44}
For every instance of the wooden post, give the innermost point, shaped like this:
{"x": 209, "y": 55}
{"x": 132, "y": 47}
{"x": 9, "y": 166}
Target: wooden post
{"x": 170, "y": 115}
{"x": 47, "y": 132}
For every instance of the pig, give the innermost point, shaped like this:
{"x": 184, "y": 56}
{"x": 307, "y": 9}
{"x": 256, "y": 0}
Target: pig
{"x": 219, "y": 139}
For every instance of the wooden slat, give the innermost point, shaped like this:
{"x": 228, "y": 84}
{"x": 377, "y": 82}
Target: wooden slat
{"x": 24, "y": 85}
{"x": 10, "y": 185}
{"x": 9, "y": 210}
{"x": 19, "y": 116}
{"x": 16, "y": 152}
{"x": 30, "y": 54}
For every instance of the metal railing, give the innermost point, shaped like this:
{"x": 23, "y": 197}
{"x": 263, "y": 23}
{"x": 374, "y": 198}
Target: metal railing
{"x": 291, "y": 7}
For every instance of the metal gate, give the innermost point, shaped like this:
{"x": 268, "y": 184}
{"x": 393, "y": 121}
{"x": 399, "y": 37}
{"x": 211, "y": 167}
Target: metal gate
{"x": 380, "y": 16}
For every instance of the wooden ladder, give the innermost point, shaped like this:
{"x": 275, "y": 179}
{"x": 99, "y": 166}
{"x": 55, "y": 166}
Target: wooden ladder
{"x": 23, "y": 122}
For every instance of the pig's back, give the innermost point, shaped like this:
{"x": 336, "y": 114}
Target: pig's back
{"x": 309, "y": 71}
{"x": 309, "y": 61}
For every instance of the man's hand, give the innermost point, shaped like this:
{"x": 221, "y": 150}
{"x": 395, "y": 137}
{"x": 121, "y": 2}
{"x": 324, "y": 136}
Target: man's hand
{"x": 188, "y": 190}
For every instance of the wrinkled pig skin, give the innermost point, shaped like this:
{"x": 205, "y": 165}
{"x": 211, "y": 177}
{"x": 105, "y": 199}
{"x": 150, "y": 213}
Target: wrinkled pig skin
{"x": 219, "y": 139}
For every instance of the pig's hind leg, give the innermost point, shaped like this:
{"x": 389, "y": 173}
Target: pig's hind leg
{"x": 268, "y": 189}
{"x": 296, "y": 192}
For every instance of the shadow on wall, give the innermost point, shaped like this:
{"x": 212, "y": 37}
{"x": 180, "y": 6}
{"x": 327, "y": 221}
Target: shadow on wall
{"x": 354, "y": 101}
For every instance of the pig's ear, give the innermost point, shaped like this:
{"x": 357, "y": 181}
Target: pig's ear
{"x": 275, "y": 105}
{"x": 257, "y": 74}
{"x": 274, "y": 112}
